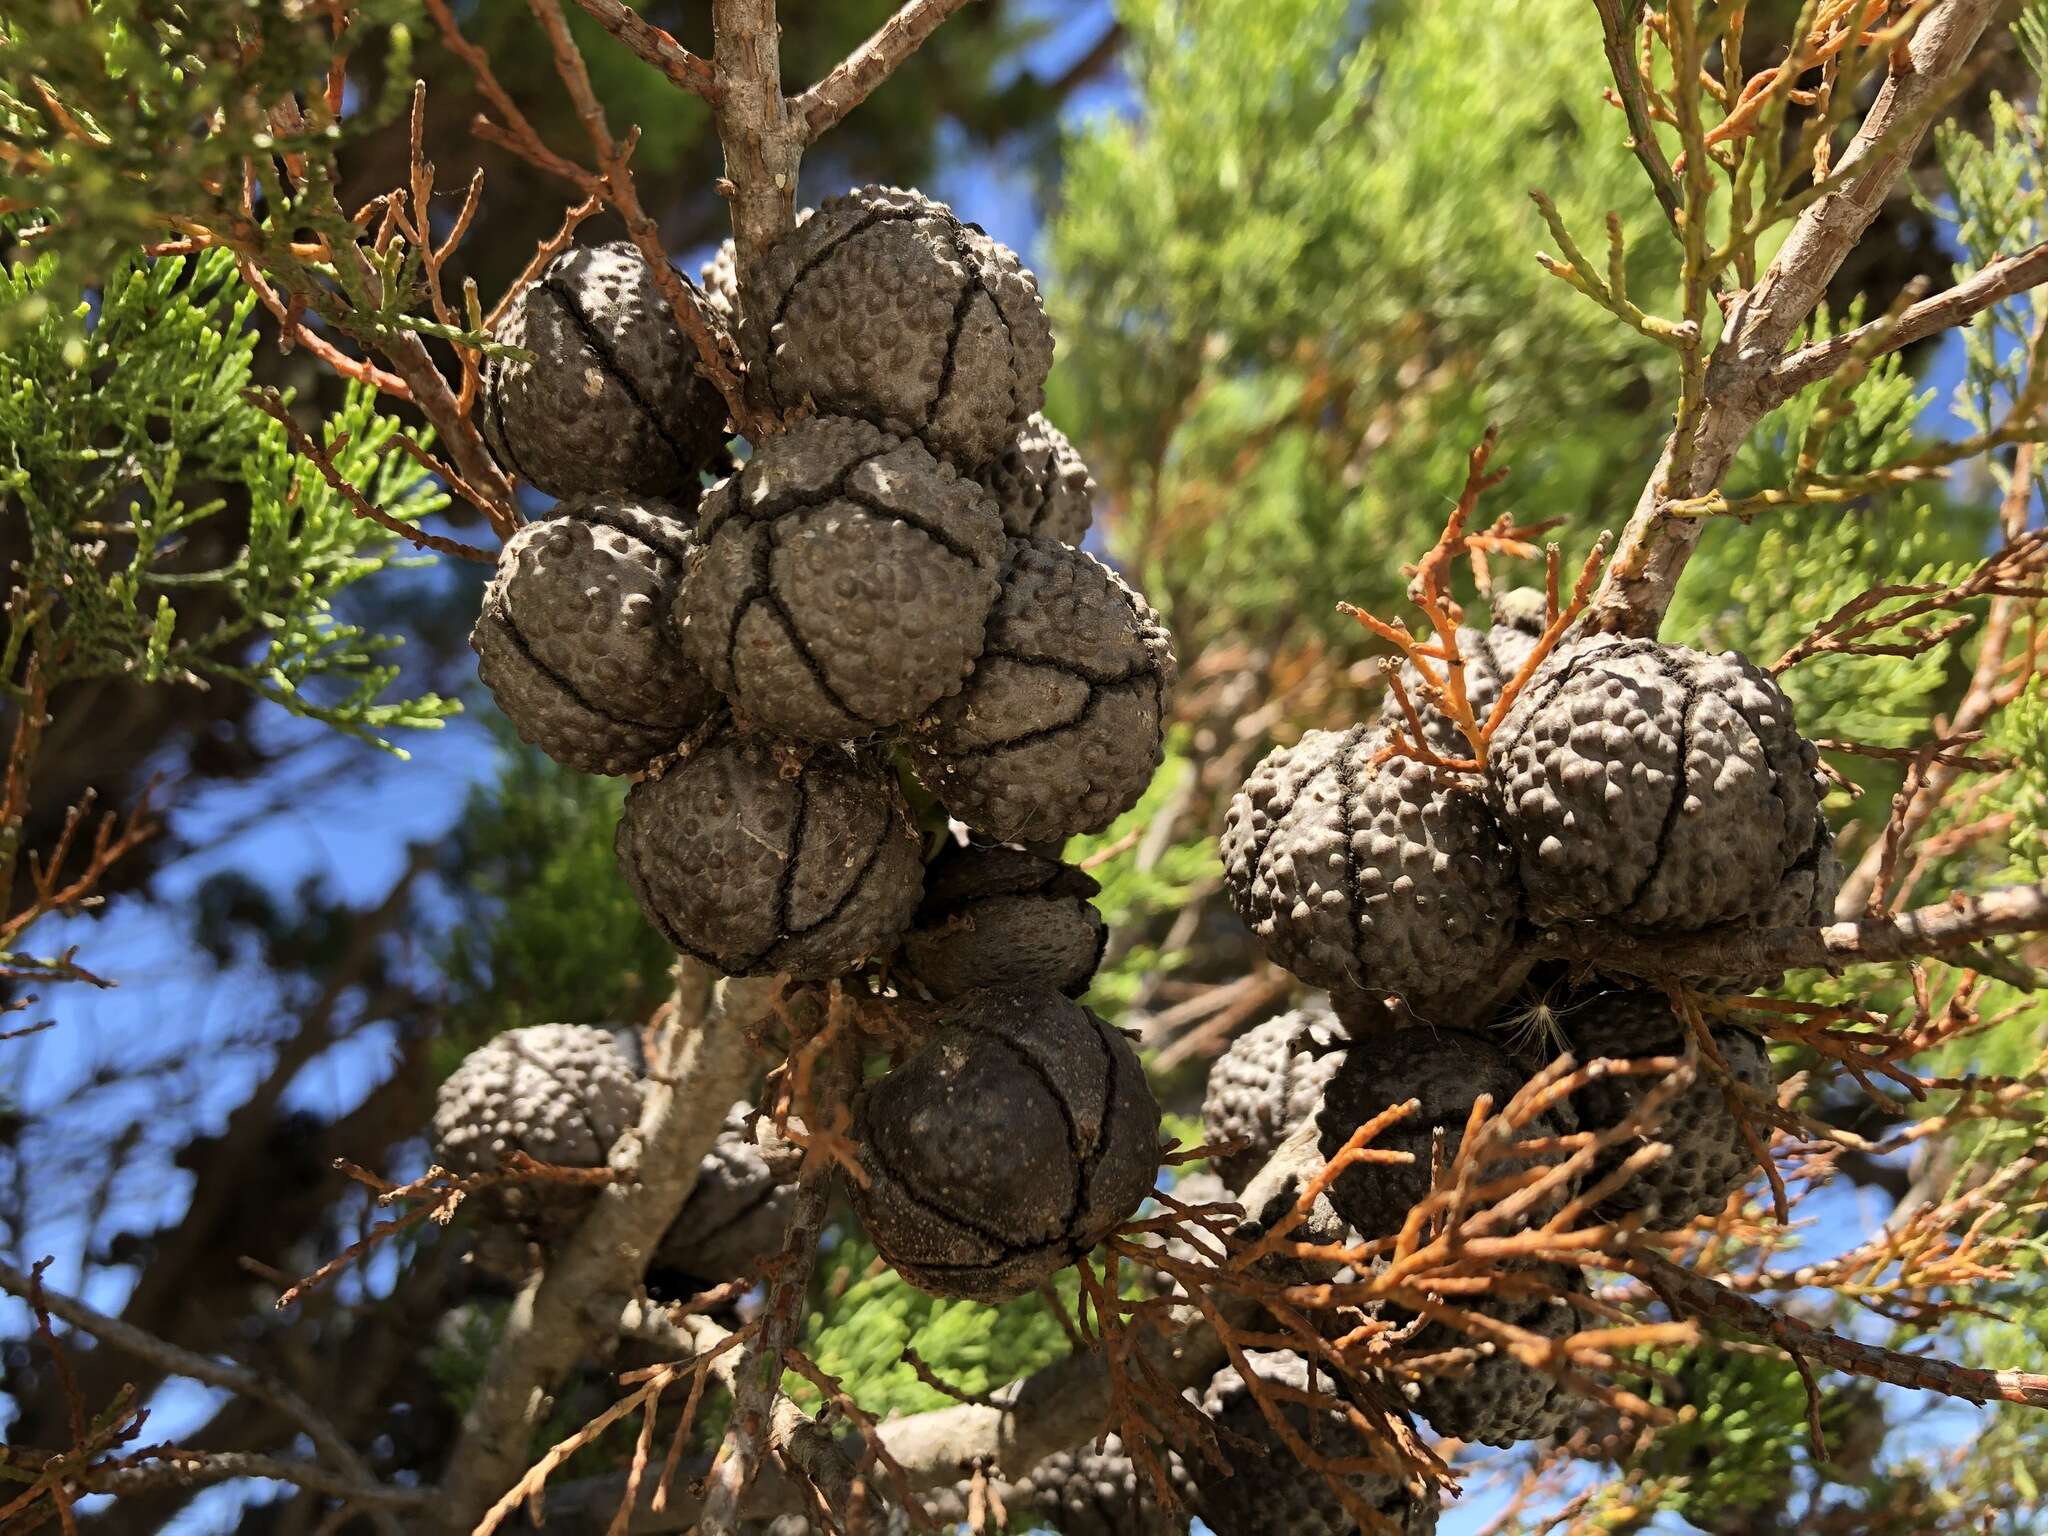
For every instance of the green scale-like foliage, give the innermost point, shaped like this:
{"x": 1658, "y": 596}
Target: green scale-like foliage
{"x": 872, "y": 1315}
{"x": 1292, "y": 293}
{"x": 1761, "y": 587}
{"x": 1137, "y": 893}
{"x": 188, "y": 543}
{"x": 2021, "y": 735}
{"x": 1997, "y": 202}
{"x": 549, "y": 932}
{"x": 1746, "y": 1440}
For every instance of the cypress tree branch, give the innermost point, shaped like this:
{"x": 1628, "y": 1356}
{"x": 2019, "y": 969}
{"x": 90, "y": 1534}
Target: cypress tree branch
{"x": 763, "y": 143}
{"x": 1051, "y": 1410}
{"x": 1940, "y": 928}
{"x": 1989, "y": 691}
{"x": 1618, "y": 20}
{"x": 2005, "y": 277}
{"x": 757, "y": 1379}
{"x": 701, "y": 1064}
{"x": 800, "y": 1440}
{"x": 615, "y": 181}
{"x": 1687, "y": 1292}
{"x": 176, "y": 1468}
{"x": 1655, "y": 546}
{"x": 143, "y": 1345}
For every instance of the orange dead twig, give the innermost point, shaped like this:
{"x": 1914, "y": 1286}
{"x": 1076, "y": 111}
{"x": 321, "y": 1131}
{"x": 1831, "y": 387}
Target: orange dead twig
{"x": 648, "y": 1386}
{"x": 1438, "y": 661}
{"x": 823, "y": 1136}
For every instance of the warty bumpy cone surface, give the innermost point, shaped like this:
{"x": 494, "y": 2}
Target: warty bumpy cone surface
{"x": 1042, "y": 486}
{"x": 719, "y": 281}
{"x": 576, "y": 640}
{"x": 1497, "y": 1400}
{"x": 1710, "y": 1159}
{"x": 612, "y": 402}
{"x": 1063, "y": 722}
{"x": 1091, "y": 1492}
{"x": 1446, "y": 1070}
{"x": 999, "y": 916}
{"x": 1275, "y": 1494}
{"x": 1492, "y": 658}
{"x": 757, "y": 862}
{"x": 883, "y": 305}
{"x": 1657, "y": 788}
{"x": 737, "y": 1212}
{"x": 845, "y": 582}
{"x": 1266, "y": 1084}
{"x": 1013, "y": 1142}
{"x": 1804, "y": 899}
{"x": 560, "y": 1093}
{"x": 1371, "y": 877}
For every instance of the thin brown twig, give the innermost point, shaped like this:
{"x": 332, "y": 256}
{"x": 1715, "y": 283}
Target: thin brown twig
{"x": 758, "y": 1376}
{"x": 434, "y": 464}
{"x": 1618, "y": 38}
{"x": 932, "y": 1379}
{"x": 167, "y": 1467}
{"x": 442, "y": 1194}
{"x": 825, "y": 1467}
{"x": 518, "y": 131}
{"x": 700, "y": 1057}
{"x": 654, "y": 45}
{"x": 114, "y": 838}
{"x": 293, "y": 332}
{"x": 1712, "y": 1302}
{"x": 715, "y": 359}
{"x": 129, "y": 1339}
{"x": 647, "y": 1390}
{"x": 272, "y": 404}
{"x": 1655, "y": 545}
{"x": 547, "y": 251}
{"x": 1867, "y": 887}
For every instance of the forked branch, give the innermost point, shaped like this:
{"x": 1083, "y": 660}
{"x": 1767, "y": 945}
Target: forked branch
{"x": 702, "y": 1063}
{"x": 341, "y": 1458}
{"x": 1655, "y": 546}
{"x": 2002, "y": 279}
